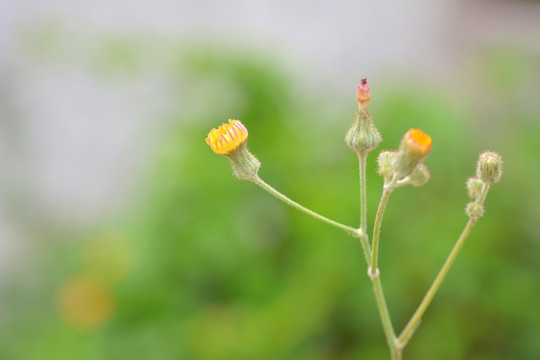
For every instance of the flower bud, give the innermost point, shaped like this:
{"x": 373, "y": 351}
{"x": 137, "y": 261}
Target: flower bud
{"x": 474, "y": 187}
{"x": 420, "y": 175}
{"x": 230, "y": 140}
{"x": 363, "y": 94}
{"x": 384, "y": 162}
{"x": 489, "y": 167}
{"x": 363, "y": 136}
{"x": 474, "y": 210}
{"x": 413, "y": 149}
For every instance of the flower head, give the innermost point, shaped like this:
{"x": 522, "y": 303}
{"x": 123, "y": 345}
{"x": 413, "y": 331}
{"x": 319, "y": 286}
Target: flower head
{"x": 227, "y": 138}
{"x": 413, "y": 149}
{"x": 230, "y": 140}
{"x": 419, "y": 141}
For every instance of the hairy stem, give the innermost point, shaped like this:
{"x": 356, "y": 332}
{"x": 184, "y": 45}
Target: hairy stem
{"x": 352, "y": 231}
{"x": 385, "y": 315}
{"x": 362, "y": 161}
{"x": 413, "y": 323}
{"x": 374, "y": 274}
{"x": 411, "y": 326}
{"x": 377, "y": 228}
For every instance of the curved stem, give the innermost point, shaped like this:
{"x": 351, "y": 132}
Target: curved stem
{"x": 352, "y": 231}
{"x": 362, "y": 161}
{"x": 374, "y": 274}
{"x": 377, "y": 228}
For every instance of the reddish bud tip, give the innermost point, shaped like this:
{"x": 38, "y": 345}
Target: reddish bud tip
{"x": 363, "y": 94}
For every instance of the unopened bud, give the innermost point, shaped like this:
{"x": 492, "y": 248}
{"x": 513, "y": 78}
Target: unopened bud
{"x": 384, "y": 162}
{"x": 413, "y": 149}
{"x": 363, "y": 136}
{"x": 489, "y": 167}
{"x": 363, "y": 94}
{"x": 474, "y": 187}
{"x": 474, "y": 210}
{"x": 230, "y": 140}
{"x": 420, "y": 175}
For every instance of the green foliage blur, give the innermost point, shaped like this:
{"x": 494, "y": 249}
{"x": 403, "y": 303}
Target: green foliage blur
{"x": 210, "y": 267}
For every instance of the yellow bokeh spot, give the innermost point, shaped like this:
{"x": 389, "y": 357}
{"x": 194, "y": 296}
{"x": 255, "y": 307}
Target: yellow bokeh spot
{"x": 110, "y": 256}
{"x": 85, "y": 302}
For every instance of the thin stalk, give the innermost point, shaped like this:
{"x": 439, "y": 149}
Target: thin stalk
{"x": 413, "y": 323}
{"x": 362, "y": 161}
{"x": 411, "y": 326}
{"x": 375, "y": 276}
{"x": 483, "y": 195}
{"x": 352, "y": 231}
{"x": 385, "y": 316}
{"x": 387, "y": 190}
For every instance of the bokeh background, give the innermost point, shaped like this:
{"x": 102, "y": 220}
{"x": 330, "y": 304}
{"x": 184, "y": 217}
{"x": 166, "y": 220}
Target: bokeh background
{"x": 122, "y": 236}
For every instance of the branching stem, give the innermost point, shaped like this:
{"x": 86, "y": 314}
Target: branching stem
{"x": 375, "y": 275}
{"x": 350, "y": 230}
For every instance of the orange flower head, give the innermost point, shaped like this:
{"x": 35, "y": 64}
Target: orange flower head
{"x": 414, "y": 148}
{"x": 227, "y": 138}
{"x": 419, "y": 141}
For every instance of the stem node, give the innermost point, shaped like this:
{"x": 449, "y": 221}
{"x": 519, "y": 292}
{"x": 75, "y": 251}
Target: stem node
{"x": 373, "y": 274}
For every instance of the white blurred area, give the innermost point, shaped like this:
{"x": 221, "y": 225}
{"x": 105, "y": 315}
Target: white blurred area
{"x": 73, "y": 144}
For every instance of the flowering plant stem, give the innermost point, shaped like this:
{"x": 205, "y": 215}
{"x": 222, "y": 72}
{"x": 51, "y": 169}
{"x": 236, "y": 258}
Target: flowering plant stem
{"x": 413, "y": 323}
{"x": 375, "y": 275}
{"x": 362, "y": 161}
{"x": 350, "y": 230}
{"x": 398, "y": 169}
{"x": 387, "y": 190}
{"x": 385, "y": 316}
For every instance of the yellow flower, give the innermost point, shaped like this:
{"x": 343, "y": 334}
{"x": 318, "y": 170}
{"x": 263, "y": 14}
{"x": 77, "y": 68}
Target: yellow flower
{"x": 230, "y": 140}
{"x": 228, "y": 137}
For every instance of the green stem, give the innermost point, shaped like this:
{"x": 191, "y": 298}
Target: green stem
{"x": 387, "y": 190}
{"x": 411, "y": 326}
{"x": 483, "y": 195}
{"x": 352, "y": 231}
{"x": 375, "y": 276}
{"x": 413, "y": 323}
{"x": 362, "y": 161}
{"x": 385, "y": 315}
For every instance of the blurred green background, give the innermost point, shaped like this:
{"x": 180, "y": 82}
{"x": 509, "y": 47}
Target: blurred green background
{"x": 194, "y": 264}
